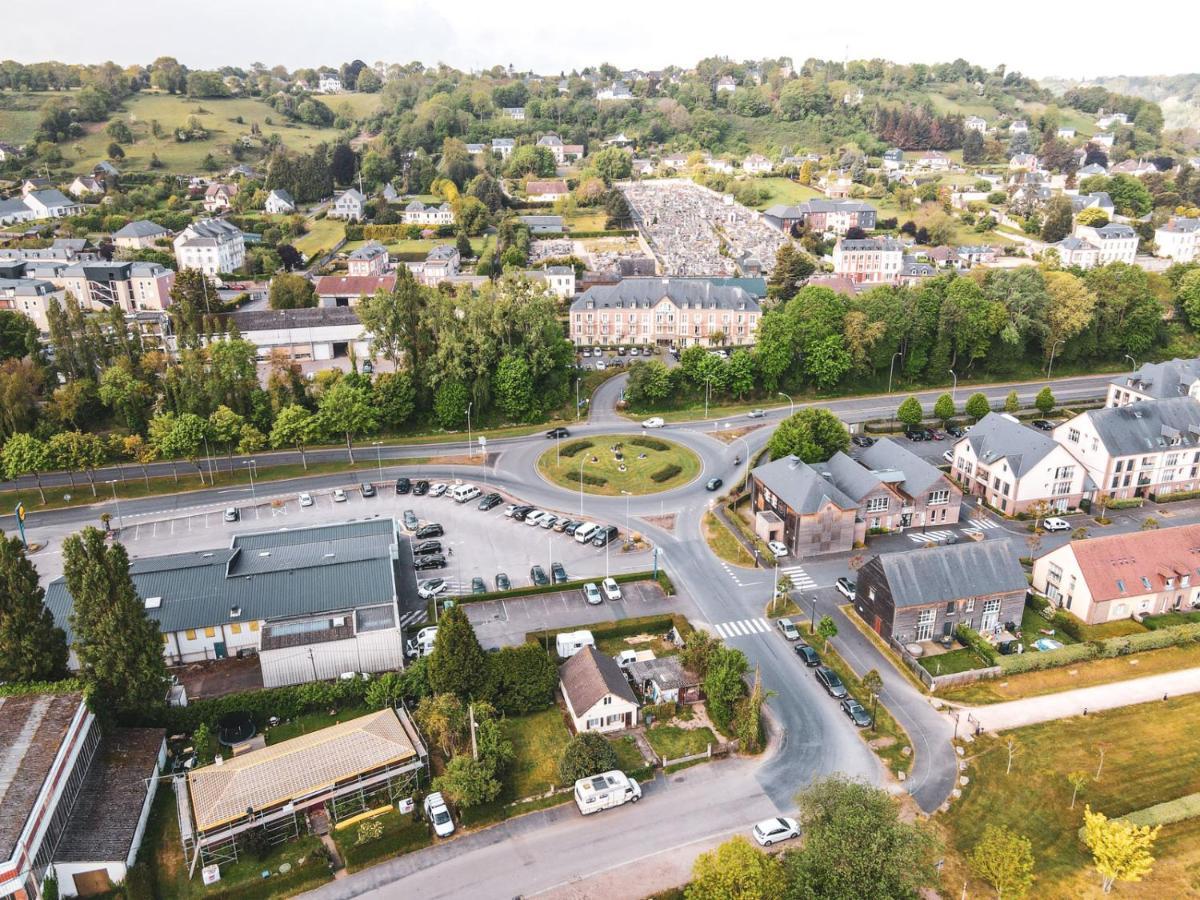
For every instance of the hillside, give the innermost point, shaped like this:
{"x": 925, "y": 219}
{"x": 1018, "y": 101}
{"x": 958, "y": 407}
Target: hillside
{"x": 1178, "y": 95}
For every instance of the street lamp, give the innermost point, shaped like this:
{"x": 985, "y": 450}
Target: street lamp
{"x": 1053, "y": 348}
{"x": 577, "y": 380}
{"x": 789, "y": 400}
{"x": 954, "y": 389}
{"x": 707, "y": 388}
{"x": 812, "y": 623}
{"x": 891, "y": 368}
{"x": 251, "y": 466}
{"x": 117, "y": 501}
{"x": 208, "y": 456}
{"x": 379, "y": 458}
{"x": 470, "y": 449}
{"x": 1132, "y": 360}
{"x": 627, "y": 494}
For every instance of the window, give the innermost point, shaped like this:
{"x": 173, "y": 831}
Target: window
{"x": 1054, "y": 573}
{"x": 191, "y": 634}
{"x": 871, "y": 593}
{"x": 236, "y": 627}
{"x": 925, "y": 624}
{"x": 607, "y": 700}
{"x": 254, "y": 626}
{"x": 937, "y": 498}
{"x": 1073, "y": 435}
{"x": 970, "y": 607}
{"x": 950, "y": 608}
{"x": 1064, "y": 472}
{"x": 1062, "y": 487}
{"x": 877, "y": 504}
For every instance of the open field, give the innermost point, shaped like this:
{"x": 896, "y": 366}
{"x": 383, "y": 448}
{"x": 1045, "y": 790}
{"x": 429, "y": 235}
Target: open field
{"x": 354, "y": 106}
{"x": 786, "y": 191}
{"x": 20, "y": 114}
{"x": 323, "y": 234}
{"x": 599, "y": 461}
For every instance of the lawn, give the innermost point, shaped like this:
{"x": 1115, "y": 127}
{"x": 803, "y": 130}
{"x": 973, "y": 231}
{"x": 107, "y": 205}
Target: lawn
{"x": 419, "y": 248}
{"x": 723, "y": 542}
{"x": 538, "y": 740}
{"x": 785, "y": 191}
{"x": 629, "y": 757}
{"x": 310, "y": 722}
{"x": 322, "y": 235}
{"x": 1166, "y": 620}
{"x": 964, "y": 659}
{"x": 400, "y": 835}
{"x": 1151, "y": 756}
{"x": 673, "y": 742}
{"x": 586, "y": 220}
{"x": 355, "y": 106}
{"x": 600, "y": 461}
{"x": 20, "y": 114}
{"x": 1032, "y": 626}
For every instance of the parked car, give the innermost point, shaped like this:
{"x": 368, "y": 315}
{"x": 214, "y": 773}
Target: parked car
{"x": 587, "y": 352}
{"x": 427, "y": 547}
{"x": 778, "y": 548}
{"x": 477, "y": 586}
{"x": 231, "y": 514}
{"x": 502, "y": 582}
{"x": 1043, "y": 424}
{"x": 846, "y": 588}
{"x": 538, "y": 576}
{"x": 831, "y": 682}
{"x": 339, "y": 495}
{"x": 558, "y": 573}
{"x": 438, "y": 488}
{"x": 420, "y": 488}
{"x": 634, "y": 351}
{"x": 570, "y": 528}
{"x": 464, "y": 492}
{"x": 654, "y": 422}
{"x": 856, "y": 712}
{"x": 306, "y": 499}
{"x": 534, "y": 517}
{"x": 772, "y": 831}
{"x": 935, "y": 435}
{"x": 430, "y": 561}
{"x": 605, "y": 536}
{"x": 955, "y": 431}
{"x": 438, "y": 815}
{"x": 808, "y": 655}
{"x": 547, "y": 521}
{"x": 521, "y": 512}
{"x": 1056, "y": 524}
{"x": 403, "y": 485}
{"x": 861, "y": 440}
{"x": 756, "y": 414}
{"x": 916, "y": 434}
{"x": 489, "y": 501}
{"x": 948, "y": 455}
{"x": 430, "y": 587}
{"x": 788, "y": 629}
{"x": 559, "y": 432}
{"x": 510, "y": 509}
{"x": 713, "y": 484}
{"x": 410, "y": 520}
{"x": 367, "y": 489}
{"x": 591, "y": 594}
{"x": 600, "y": 367}
{"x": 432, "y": 530}
{"x": 561, "y": 525}
{"x": 611, "y": 589}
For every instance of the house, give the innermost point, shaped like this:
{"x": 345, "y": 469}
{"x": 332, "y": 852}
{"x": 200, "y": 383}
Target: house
{"x": 311, "y": 602}
{"x": 1073, "y": 251}
{"x": 34, "y": 183}
{"x": 546, "y": 191}
{"x": 820, "y": 215}
{"x": 390, "y": 194}
{"x": 1011, "y": 467}
{"x": 15, "y": 210}
{"x": 675, "y": 161}
{"x": 726, "y": 84}
{"x": 1147, "y": 448}
{"x": 1108, "y": 121}
{"x": 869, "y": 260}
{"x": 757, "y": 164}
{"x": 893, "y": 159}
{"x": 935, "y": 160}
{"x": 559, "y": 279}
{"x": 1023, "y": 161}
{"x": 1019, "y": 126}
{"x": 1118, "y": 576}
{"x": 976, "y": 255}
{"x": 554, "y": 144}
{"x": 140, "y": 234}
{"x": 664, "y": 680}
{"x": 618, "y": 140}
{"x": 503, "y": 146}
{"x": 369, "y": 259}
{"x": 329, "y": 83}
{"x": 922, "y": 595}
{"x": 130, "y": 286}
{"x": 839, "y": 284}
{"x": 1116, "y": 241}
{"x": 643, "y": 167}
{"x": 1156, "y": 381}
{"x": 543, "y": 224}
{"x": 794, "y": 503}
{"x": 975, "y": 123}
{"x": 1066, "y": 134}
{"x": 442, "y": 263}
{"x": 1135, "y": 167}
{"x": 473, "y": 149}
{"x": 245, "y": 172}
{"x": 279, "y": 203}
{"x": 676, "y": 312}
{"x": 211, "y": 245}
{"x": 315, "y": 335}
{"x": 349, "y": 205}
{"x": 852, "y": 98}
{"x": 84, "y": 185}
{"x": 48, "y": 203}
{"x": 417, "y": 213}
{"x": 347, "y": 290}
{"x": 1178, "y": 239}
{"x": 618, "y": 90}
{"x": 516, "y": 113}
{"x": 1099, "y": 199}
{"x": 219, "y": 197}
{"x": 1089, "y": 170}
{"x": 8, "y": 151}
{"x": 31, "y": 297}
{"x": 597, "y": 695}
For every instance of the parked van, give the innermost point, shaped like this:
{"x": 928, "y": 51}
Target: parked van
{"x": 422, "y": 644}
{"x": 464, "y": 492}
{"x": 585, "y": 531}
{"x": 605, "y": 535}
{"x": 606, "y": 790}
{"x": 568, "y": 643}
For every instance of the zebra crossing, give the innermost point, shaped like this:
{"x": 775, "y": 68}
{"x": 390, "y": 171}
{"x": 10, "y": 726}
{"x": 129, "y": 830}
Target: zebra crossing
{"x": 411, "y": 617}
{"x": 800, "y": 579}
{"x": 972, "y": 526}
{"x": 742, "y": 628}
{"x": 980, "y": 524}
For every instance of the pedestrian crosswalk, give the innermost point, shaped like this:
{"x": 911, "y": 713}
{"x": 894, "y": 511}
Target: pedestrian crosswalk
{"x": 980, "y": 524}
{"x": 742, "y": 628}
{"x": 800, "y": 579}
{"x": 926, "y": 537}
{"x": 411, "y": 617}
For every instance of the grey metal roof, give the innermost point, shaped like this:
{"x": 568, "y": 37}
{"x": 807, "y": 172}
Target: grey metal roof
{"x": 801, "y": 486}
{"x": 919, "y": 474}
{"x": 313, "y": 317}
{"x": 941, "y": 574}
{"x": 1162, "y": 380}
{"x": 370, "y": 250}
{"x": 1114, "y": 231}
{"x": 997, "y": 436}
{"x": 848, "y": 476}
{"x": 1148, "y": 426}
{"x": 53, "y": 197}
{"x": 697, "y": 293}
{"x": 140, "y": 228}
{"x": 327, "y": 568}
{"x": 871, "y": 244}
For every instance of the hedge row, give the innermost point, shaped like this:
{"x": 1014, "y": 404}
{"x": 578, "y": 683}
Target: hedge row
{"x": 284, "y": 702}
{"x": 659, "y": 624}
{"x": 1131, "y": 503}
{"x": 594, "y": 480}
{"x": 565, "y": 586}
{"x": 982, "y": 648}
{"x": 1105, "y": 649}
{"x": 1173, "y": 497}
{"x": 623, "y": 232}
{"x": 574, "y": 447}
{"x": 21, "y": 688}
{"x": 666, "y": 473}
{"x": 650, "y": 443}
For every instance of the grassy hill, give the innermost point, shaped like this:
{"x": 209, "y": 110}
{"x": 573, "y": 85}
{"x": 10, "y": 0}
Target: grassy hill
{"x": 21, "y": 113}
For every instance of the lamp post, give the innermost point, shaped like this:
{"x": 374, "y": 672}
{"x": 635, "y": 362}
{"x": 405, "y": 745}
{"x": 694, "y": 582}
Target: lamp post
{"x": 707, "y": 388}
{"x": 790, "y": 402}
{"x": 1132, "y": 360}
{"x": 577, "y": 380}
{"x": 117, "y": 501}
{"x": 954, "y": 389}
{"x": 812, "y": 623}
{"x": 379, "y": 459}
{"x": 627, "y": 494}
{"x": 208, "y": 456}
{"x": 1053, "y": 348}
{"x": 891, "y": 368}
{"x": 251, "y": 466}
{"x": 470, "y": 449}
{"x": 775, "y": 585}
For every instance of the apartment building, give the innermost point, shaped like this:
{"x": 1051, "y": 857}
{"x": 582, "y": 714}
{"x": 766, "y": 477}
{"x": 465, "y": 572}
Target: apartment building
{"x": 838, "y": 216}
{"x": 869, "y": 260}
{"x": 132, "y": 286}
{"x": 1115, "y": 242}
{"x": 213, "y": 246}
{"x": 1178, "y": 239}
{"x": 417, "y": 213}
{"x": 369, "y": 259}
{"x": 1156, "y": 381}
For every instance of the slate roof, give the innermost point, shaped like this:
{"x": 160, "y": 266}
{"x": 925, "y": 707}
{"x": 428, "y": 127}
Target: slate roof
{"x": 52, "y": 197}
{"x": 207, "y": 231}
{"x": 589, "y": 675}
{"x": 1148, "y": 426}
{"x": 139, "y": 229}
{"x": 801, "y": 486}
{"x": 848, "y": 476}
{"x": 697, "y": 293}
{"x": 285, "y": 196}
{"x": 267, "y": 575}
{"x": 1162, "y": 380}
{"x": 920, "y": 475}
{"x": 816, "y": 205}
{"x": 1115, "y": 231}
{"x": 312, "y": 317}
{"x": 889, "y": 244}
{"x": 369, "y": 250}
{"x": 997, "y": 436}
{"x": 941, "y": 574}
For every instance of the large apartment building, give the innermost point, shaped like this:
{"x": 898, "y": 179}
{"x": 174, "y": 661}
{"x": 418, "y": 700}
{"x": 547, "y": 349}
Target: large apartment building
{"x": 1178, "y": 239}
{"x": 132, "y": 286}
{"x": 1156, "y": 381}
{"x": 213, "y": 246}
{"x": 869, "y": 260}
{"x": 821, "y": 215}
{"x": 677, "y": 312}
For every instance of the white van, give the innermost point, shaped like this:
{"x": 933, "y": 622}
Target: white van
{"x": 464, "y": 492}
{"x": 585, "y": 531}
{"x": 422, "y": 644}
{"x": 605, "y": 791}
{"x": 568, "y": 643}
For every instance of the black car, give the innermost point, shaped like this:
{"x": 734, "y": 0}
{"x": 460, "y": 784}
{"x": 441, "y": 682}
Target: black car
{"x": 432, "y": 530}
{"x": 856, "y": 712}
{"x": 557, "y": 433}
{"x": 605, "y": 536}
{"x": 713, "y": 484}
{"x": 861, "y": 440}
{"x": 427, "y": 547}
{"x": 571, "y": 527}
{"x": 538, "y": 576}
{"x": 1043, "y": 424}
{"x": 832, "y": 684}
{"x": 420, "y": 488}
{"x": 916, "y": 434}
{"x": 477, "y": 586}
{"x": 521, "y": 512}
{"x": 558, "y": 573}
{"x": 956, "y": 431}
{"x": 490, "y": 501}
{"x": 502, "y": 582}
{"x": 403, "y": 485}
{"x": 432, "y": 561}
{"x": 807, "y": 655}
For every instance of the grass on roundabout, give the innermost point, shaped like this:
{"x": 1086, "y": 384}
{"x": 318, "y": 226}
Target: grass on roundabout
{"x": 563, "y": 464}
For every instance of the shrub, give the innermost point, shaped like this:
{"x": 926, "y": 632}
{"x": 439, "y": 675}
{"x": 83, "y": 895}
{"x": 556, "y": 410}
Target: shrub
{"x": 662, "y": 712}
{"x": 1105, "y": 649}
{"x": 370, "y": 830}
{"x": 666, "y": 473}
{"x": 1131, "y": 503}
{"x": 1177, "y": 810}
{"x": 586, "y": 754}
{"x": 970, "y": 637}
{"x": 595, "y": 480}
{"x": 653, "y": 443}
{"x": 1173, "y": 497}
{"x": 1068, "y": 624}
{"x": 574, "y": 447}
{"x": 1036, "y": 602}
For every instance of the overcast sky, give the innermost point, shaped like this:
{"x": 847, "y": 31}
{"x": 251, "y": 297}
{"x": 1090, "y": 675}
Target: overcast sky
{"x": 1054, "y": 38}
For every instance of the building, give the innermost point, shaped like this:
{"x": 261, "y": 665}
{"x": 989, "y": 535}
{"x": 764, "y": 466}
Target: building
{"x": 441, "y": 263}
{"x": 516, "y": 113}
{"x": 1104, "y": 139}
{"x": 820, "y": 215}
{"x": 503, "y": 147}
{"x": 676, "y": 312}
{"x": 664, "y": 680}
{"x": 869, "y": 260}
{"x": 1111, "y": 119}
{"x": 1116, "y": 242}
{"x": 329, "y": 83}
{"x": 1139, "y": 449}
{"x": 935, "y": 160}
{"x": 1066, "y": 134}
{"x": 559, "y": 279}
{"x": 1073, "y": 251}
{"x": 132, "y": 286}
{"x": 140, "y": 235}
{"x": 417, "y": 213}
{"x": 30, "y": 297}
{"x": 546, "y": 191}
{"x": 218, "y": 197}
{"x": 794, "y": 503}
{"x": 893, "y": 159}
{"x": 1089, "y": 170}
{"x": 347, "y": 290}
{"x": 757, "y": 164}
{"x": 38, "y": 205}
{"x": 1156, "y": 381}
{"x": 369, "y": 259}
{"x": 211, "y": 245}
{"x": 279, "y": 203}
{"x": 1019, "y": 126}
{"x": 597, "y": 695}
{"x": 921, "y": 595}
{"x": 1027, "y": 162}
{"x": 349, "y": 205}
{"x": 975, "y": 123}
{"x": 726, "y": 84}
{"x": 311, "y": 602}
{"x": 85, "y": 185}
{"x": 1012, "y": 466}
{"x": 318, "y": 334}
{"x": 1178, "y": 239}
{"x": 1117, "y": 576}
{"x": 543, "y": 224}
{"x": 921, "y": 494}
{"x": 618, "y": 90}
{"x": 1135, "y": 167}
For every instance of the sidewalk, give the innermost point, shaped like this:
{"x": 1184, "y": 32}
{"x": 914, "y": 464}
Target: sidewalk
{"x": 1031, "y": 711}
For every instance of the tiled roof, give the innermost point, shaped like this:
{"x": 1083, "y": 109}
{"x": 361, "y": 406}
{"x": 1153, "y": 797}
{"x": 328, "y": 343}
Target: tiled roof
{"x": 589, "y": 675}
{"x": 353, "y": 285}
{"x": 1114, "y": 565}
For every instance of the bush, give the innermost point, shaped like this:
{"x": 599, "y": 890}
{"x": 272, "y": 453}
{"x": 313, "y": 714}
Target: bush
{"x": 368, "y": 831}
{"x": 970, "y": 637}
{"x": 666, "y": 473}
{"x": 1131, "y": 503}
{"x": 594, "y": 480}
{"x": 1173, "y": 497}
{"x": 585, "y": 755}
{"x": 1106, "y": 649}
{"x": 1068, "y": 624}
{"x": 1168, "y": 813}
{"x": 574, "y": 447}
{"x": 1036, "y": 602}
{"x": 523, "y": 679}
{"x": 654, "y": 444}
{"x": 662, "y": 712}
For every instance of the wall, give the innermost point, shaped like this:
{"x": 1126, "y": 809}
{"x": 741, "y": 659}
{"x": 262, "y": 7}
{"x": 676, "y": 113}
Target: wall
{"x": 373, "y": 651}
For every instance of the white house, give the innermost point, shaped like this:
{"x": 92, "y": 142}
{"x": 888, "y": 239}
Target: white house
{"x": 349, "y": 205}
{"x": 1108, "y": 121}
{"x": 546, "y": 191}
{"x": 869, "y": 260}
{"x": 559, "y": 279}
{"x": 139, "y": 234}
{"x": 1067, "y": 134}
{"x": 1074, "y": 251}
{"x": 329, "y": 83}
{"x": 975, "y": 123}
{"x": 597, "y": 695}
{"x": 417, "y": 213}
{"x": 1104, "y": 139}
{"x": 1019, "y": 126}
{"x": 1116, "y": 242}
{"x": 1178, "y": 239}
{"x": 726, "y": 84}
{"x": 516, "y": 113}
{"x": 211, "y": 245}
{"x": 618, "y": 90}
{"x": 279, "y": 202}
{"x": 369, "y": 259}
{"x": 38, "y": 205}
{"x": 935, "y": 160}
{"x": 83, "y": 185}
{"x": 503, "y": 146}
{"x": 893, "y": 159}
{"x": 757, "y": 164}
{"x": 219, "y": 197}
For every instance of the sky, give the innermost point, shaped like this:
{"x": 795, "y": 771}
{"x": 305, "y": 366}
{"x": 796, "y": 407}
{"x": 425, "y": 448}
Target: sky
{"x": 1059, "y": 38}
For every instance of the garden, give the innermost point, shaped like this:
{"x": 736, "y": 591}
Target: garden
{"x": 611, "y": 464}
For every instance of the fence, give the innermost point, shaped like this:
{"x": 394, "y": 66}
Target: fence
{"x": 720, "y": 749}
{"x": 950, "y": 679}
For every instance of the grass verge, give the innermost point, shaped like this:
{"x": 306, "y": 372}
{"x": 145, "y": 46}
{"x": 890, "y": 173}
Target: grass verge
{"x": 600, "y": 464}
{"x": 400, "y": 835}
{"x": 724, "y": 543}
{"x": 892, "y": 755}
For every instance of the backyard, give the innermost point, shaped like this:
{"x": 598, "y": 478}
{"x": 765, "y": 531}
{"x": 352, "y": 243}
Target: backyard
{"x": 400, "y": 835}
{"x": 673, "y": 742}
{"x": 538, "y": 740}
{"x": 322, "y": 235}
{"x": 642, "y": 465}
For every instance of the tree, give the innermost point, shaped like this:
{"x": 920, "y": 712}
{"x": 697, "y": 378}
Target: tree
{"x": 649, "y": 383}
{"x": 295, "y": 427}
{"x": 612, "y": 164}
{"x": 450, "y": 405}
{"x": 24, "y": 454}
{"x": 872, "y": 683}
{"x": 291, "y": 291}
{"x": 523, "y": 678}
{"x": 1012, "y": 403}
{"x": 394, "y": 319}
{"x": 723, "y": 685}
{"x": 827, "y": 361}
{"x": 18, "y": 335}
{"x": 978, "y": 406}
{"x": 396, "y": 398}
{"x": 443, "y": 720}
{"x": 813, "y": 434}
{"x": 910, "y": 413}
{"x": 588, "y": 753}
{"x": 1120, "y": 849}
{"x": 348, "y": 409}
{"x": 1004, "y": 859}
{"x": 512, "y": 386}
{"x": 1188, "y": 297}
{"x": 225, "y": 427}
{"x": 1044, "y": 401}
{"x": 78, "y": 450}
{"x": 119, "y": 648}
{"x": 1077, "y": 780}
{"x": 736, "y": 870}
{"x": 943, "y": 408}
{"x": 1092, "y": 216}
{"x": 126, "y": 395}
{"x": 457, "y": 664}
{"x": 1056, "y": 223}
{"x": 32, "y": 647}
{"x": 827, "y": 628}
{"x": 468, "y": 782}
{"x": 115, "y": 151}
{"x": 792, "y": 267}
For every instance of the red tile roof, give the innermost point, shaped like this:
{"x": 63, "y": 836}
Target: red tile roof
{"x": 1127, "y": 558}
{"x": 545, "y": 187}
{"x": 353, "y": 285}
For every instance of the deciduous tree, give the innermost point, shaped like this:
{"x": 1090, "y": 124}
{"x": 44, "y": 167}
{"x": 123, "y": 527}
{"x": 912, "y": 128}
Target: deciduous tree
{"x": 588, "y": 753}
{"x": 736, "y": 870}
{"x": 348, "y": 409}
{"x": 813, "y": 434}
{"x": 978, "y": 406}
{"x": 1121, "y": 851}
{"x": 1004, "y": 859}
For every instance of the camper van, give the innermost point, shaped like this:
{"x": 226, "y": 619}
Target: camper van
{"x": 464, "y": 492}
{"x": 571, "y": 642}
{"x": 422, "y": 644}
{"x": 585, "y": 531}
{"x": 605, "y": 790}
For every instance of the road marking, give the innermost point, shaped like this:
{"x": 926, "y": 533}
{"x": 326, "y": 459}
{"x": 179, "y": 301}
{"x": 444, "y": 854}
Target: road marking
{"x": 742, "y": 628}
{"x": 927, "y": 536}
{"x": 413, "y": 616}
{"x": 799, "y": 578}
{"x": 979, "y": 523}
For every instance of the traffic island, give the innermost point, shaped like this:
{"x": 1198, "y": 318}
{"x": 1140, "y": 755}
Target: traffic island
{"x": 612, "y": 464}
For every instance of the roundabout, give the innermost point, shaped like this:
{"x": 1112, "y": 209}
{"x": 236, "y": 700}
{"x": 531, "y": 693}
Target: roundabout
{"x": 616, "y": 464}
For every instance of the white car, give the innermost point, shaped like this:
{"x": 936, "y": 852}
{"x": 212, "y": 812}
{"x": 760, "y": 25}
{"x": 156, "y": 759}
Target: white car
{"x": 779, "y": 548}
{"x": 846, "y": 588}
{"x": 535, "y": 517}
{"x": 339, "y": 495}
{"x": 548, "y": 520}
{"x": 756, "y": 414}
{"x": 591, "y": 593}
{"x": 788, "y": 629}
{"x": 948, "y": 456}
{"x": 772, "y": 831}
{"x": 611, "y": 589}
{"x": 306, "y": 499}
{"x": 1056, "y": 524}
{"x": 600, "y": 367}
{"x": 654, "y": 422}
{"x": 431, "y": 587}
{"x": 510, "y": 509}
{"x": 438, "y": 489}
{"x": 439, "y": 815}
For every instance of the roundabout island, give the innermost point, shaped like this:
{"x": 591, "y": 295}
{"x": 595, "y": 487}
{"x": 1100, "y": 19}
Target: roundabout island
{"x": 612, "y": 464}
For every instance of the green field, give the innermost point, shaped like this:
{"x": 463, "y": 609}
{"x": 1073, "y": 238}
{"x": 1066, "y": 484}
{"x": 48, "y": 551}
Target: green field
{"x": 21, "y": 113}
{"x": 354, "y": 106}
{"x": 786, "y": 191}
{"x": 323, "y": 234}
{"x": 538, "y": 740}
{"x": 563, "y": 470}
